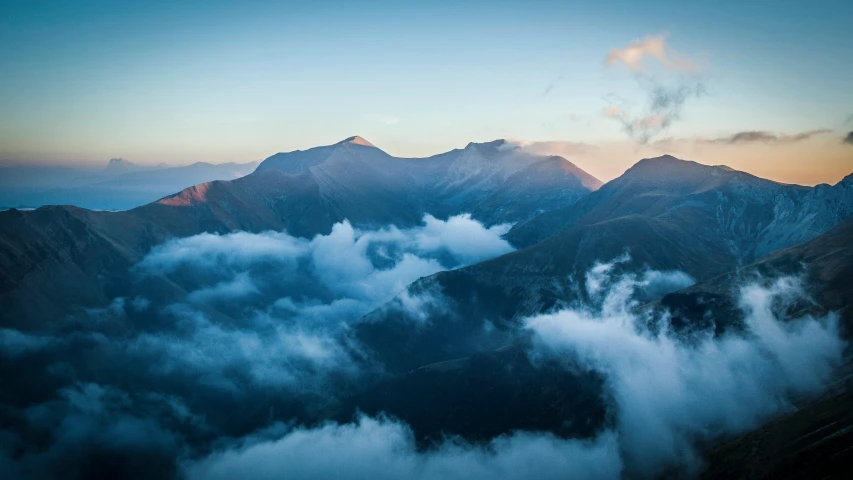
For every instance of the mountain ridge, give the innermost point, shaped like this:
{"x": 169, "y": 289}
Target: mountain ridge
{"x": 787, "y": 210}
{"x": 703, "y": 225}
{"x": 329, "y": 184}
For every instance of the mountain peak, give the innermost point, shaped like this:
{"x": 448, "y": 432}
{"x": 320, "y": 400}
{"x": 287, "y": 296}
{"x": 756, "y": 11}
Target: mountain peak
{"x": 119, "y": 161}
{"x": 665, "y": 163}
{"x": 357, "y": 141}
{"x": 685, "y": 175}
{"x": 120, "y": 165}
{"x": 499, "y": 143}
{"x": 668, "y": 164}
{"x": 667, "y": 158}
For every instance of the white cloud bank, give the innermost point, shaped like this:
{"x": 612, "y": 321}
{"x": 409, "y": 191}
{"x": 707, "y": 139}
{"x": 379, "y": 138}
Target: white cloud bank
{"x": 377, "y": 449}
{"x": 670, "y": 394}
{"x": 289, "y": 300}
{"x": 670, "y": 397}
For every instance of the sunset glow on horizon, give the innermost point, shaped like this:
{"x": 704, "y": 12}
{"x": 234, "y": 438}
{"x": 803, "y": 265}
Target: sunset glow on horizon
{"x": 761, "y": 90}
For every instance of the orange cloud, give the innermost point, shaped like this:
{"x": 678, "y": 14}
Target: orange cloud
{"x": 653, "y": 46}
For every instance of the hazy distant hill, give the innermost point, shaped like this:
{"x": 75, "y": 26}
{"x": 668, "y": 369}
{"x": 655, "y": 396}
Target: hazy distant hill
{"x": 121, "y": 185}
{"x": 441, "y": 367}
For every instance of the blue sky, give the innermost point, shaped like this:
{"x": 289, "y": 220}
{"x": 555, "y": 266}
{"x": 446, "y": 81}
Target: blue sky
{"x": 224, "y": 81}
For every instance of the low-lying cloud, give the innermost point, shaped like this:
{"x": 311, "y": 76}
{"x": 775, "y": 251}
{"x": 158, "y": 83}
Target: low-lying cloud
{"x": 672, "y": 395}
{"x": 560, "y": 148}
{"x": 385, "y": 449}
{"x": 220, "y": 378}
{"x": 217, "y": 336}
{"x": 288, "y": 300}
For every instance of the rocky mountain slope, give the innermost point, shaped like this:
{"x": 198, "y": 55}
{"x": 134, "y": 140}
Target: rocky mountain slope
{"x": 214, "y": 345}
{"x": 825, "y": 263}
{"x": 494, "y": 181}
{"x": 665, "y": 214}
{"x": 746, "y": 215}
{"x": 65, "y": 256}
{"x": 472, "y": 336}
{"x": 812, "y": 442}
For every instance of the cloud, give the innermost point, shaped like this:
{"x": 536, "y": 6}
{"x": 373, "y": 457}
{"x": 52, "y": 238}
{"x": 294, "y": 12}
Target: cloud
{"x": 663, "y": 108}
{"x": 97, "y": 431}
{"x": 271, "y": 310}
{"x": 217, "y": 336}
{"x": 561, "y": 148}
{"x": 762, "y": 136}
{"x": 464, "y": 238}
{"x": 360, "y": 264}
{"x": 14, "y": 343}
{"x": 748, "y": 137}
{"x": 228, "y": 373}
{"x": 612, "y": 111}
{"x": 655, "y": 47}
{"x": 268, "y": 355}
{"x": 670, "y": 396}
{"x": 551, "y": 86}
{"x": 666, "y": 93}
{"x": 238, "y": 287}
{"x": 556, "y": 147}
{"x": 209, "y": 250}
{"x": 649, "y": 285}
{"x": 673, "y": 394}
{"x": 848, "y": 140}
{"x": 385, "y": 449}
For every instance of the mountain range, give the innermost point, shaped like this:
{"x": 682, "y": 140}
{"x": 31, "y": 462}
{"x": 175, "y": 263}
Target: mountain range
{"x": 667, "y": 214}
{"x": 302, "y": 192}
{"x": 451, "y": 354}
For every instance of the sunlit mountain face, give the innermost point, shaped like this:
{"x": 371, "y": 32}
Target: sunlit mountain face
{"x": 647, "y": 275}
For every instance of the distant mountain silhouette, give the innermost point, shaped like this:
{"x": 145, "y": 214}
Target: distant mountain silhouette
{"x": 122, "y": 185}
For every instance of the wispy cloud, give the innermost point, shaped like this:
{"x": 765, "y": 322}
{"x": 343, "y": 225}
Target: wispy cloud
{"x": 655, "y": 47}
{"x": 666, "y": 92}
{"x": 554, "y": 147}
{"x": 763, "y": 136}
{"x": 848, "y": 140}
{"x": 551, "y": 86}
{"x": 612, "y": 111}
{"x": 664, "y": 106}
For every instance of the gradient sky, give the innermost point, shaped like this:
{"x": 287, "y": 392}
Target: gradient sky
{"x": 188, "y": 81}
